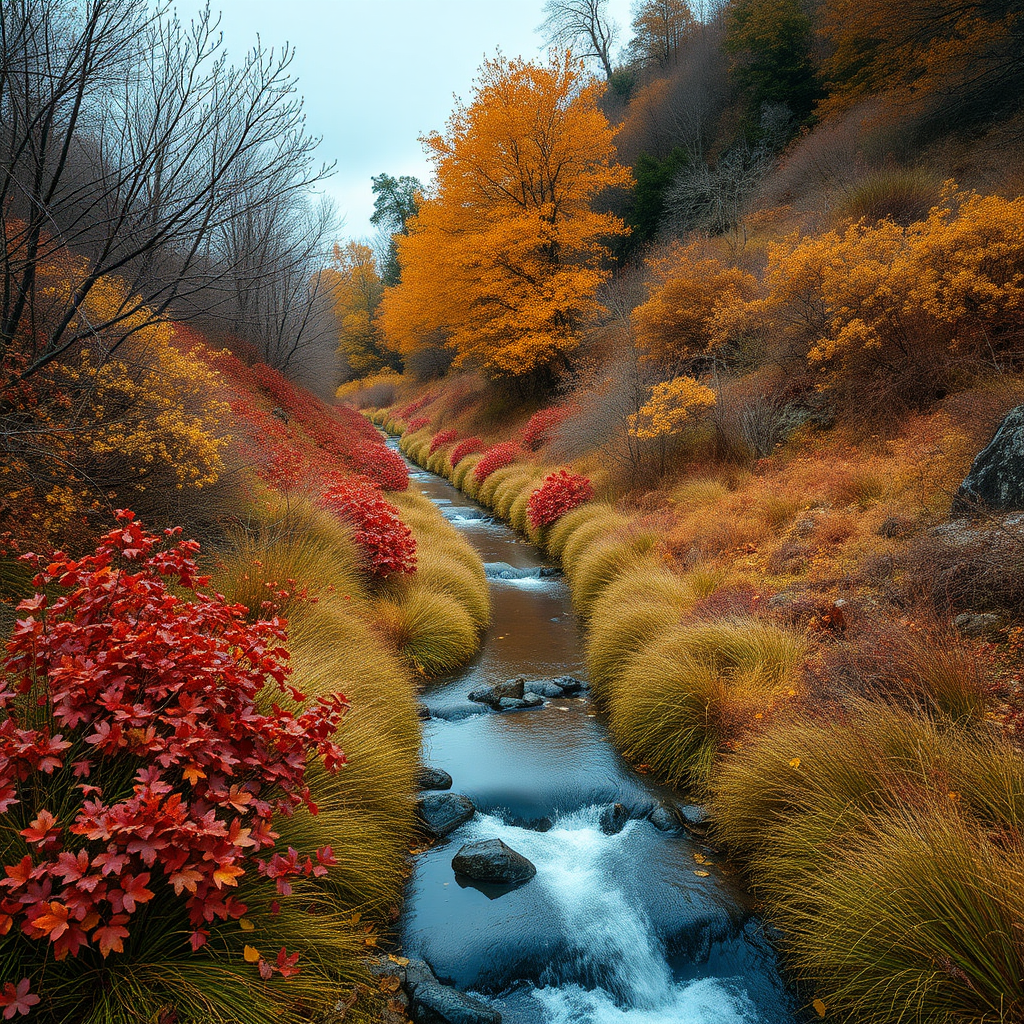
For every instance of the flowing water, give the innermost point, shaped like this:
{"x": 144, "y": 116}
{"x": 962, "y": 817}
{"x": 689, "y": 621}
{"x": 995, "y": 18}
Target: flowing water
{"x": 613, "y": 929}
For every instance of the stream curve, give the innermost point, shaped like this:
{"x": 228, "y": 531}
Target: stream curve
{"x": 642, "y": 926}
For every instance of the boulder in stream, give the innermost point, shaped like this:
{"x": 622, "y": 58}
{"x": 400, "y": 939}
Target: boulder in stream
{"x": 614, "y": 818}
{"x": 443, "y": 813}
{"x": 490, "y": 860}
{"x": 432, "y": 778}
{"x": 514, "y": 688}
{"x": 528, "y": 700}
{"x": 663, "y": 819}
{"x": 434, "y": 1003}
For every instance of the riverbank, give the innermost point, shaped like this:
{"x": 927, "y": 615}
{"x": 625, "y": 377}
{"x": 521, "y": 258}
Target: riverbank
{"x": 878, "y": 823}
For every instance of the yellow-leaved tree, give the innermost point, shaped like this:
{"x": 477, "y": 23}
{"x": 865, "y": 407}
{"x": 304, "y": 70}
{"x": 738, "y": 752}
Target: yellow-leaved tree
{"x": 504, "y": 258}
{"x": 356, "y": 290}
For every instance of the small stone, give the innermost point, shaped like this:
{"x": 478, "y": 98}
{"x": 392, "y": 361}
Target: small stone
{"x": 423, "y": 712}
{"x": 663, "y": 819}
{"x": 546, "y": 688}
{"x": 432, "y": 778}
{"x": 528, "y": 700}
{"x": 443, "y": 813}
{"x": 570, "y": 684}
{"x": 490, "y": 860}
{"x": 694, "y": 817}
{"x": 614, "y": 818}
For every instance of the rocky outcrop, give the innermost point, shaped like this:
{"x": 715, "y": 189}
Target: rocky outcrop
{"x": 490, "y": 860}
{"x": 443, "y": 813}
{"x": 614, "y": 818}
{"x": 512, "y": 688}
{"x": 996, "y": 478}
{"x": 432, "y": 778}
{"x": 428, "y": 1000}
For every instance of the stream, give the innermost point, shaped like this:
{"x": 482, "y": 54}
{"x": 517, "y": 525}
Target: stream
{"x": 640, "y": 927}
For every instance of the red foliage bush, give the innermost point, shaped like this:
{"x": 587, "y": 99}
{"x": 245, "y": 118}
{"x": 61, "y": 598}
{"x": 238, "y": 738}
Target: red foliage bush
{"x": 541, "y": 423}
{"x": 500, "y": 455}
{"x": 133, "y": 753}
{"x": 561, "y": 492}
{"x": 442, "y": 438}
{"x": 464, "y": 448}
{"x": 418, "y": 424}
{"x": 387, "y": 543}
{"x": 379, "y": 463}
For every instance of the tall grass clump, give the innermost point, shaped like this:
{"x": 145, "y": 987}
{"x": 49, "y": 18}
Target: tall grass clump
{"x": 887, "y": 848}
{"x": 600, "y": 562}
{"x": 580, "y": 518}
{"x": 640, "y": 604}
{"x": 433, "y": 631}
{"x": 697, "y": 688}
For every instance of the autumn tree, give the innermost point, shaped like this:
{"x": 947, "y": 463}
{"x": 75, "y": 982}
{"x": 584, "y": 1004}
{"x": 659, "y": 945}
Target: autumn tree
{"x": 583, "y": 26}
{"x": 505, "y": 256}
{"x": 659, "y": 29}
{"x": 356, "y": 290}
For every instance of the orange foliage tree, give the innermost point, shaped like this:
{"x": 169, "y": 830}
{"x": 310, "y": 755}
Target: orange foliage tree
{"x": 503, "y": 259}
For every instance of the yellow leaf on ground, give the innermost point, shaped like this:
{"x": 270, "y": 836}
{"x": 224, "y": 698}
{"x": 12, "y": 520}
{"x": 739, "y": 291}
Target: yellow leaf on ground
{"x": 389, "y": 984}
{"x": 245, "y": 924}
{"x": 819, "y": 1007}
{"x": 251, "y": 954}
{"x": 700, "y": 858}
{"x": 356, "y": 918}
{"x": 402, "y": 961}
{"x": 795, "y": 763}
{"x": 702, "y": 874}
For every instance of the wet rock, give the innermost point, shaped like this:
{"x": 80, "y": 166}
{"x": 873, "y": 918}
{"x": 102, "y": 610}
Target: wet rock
{"x": 996, "y": 477}
{"x": 443, "y": 813}
{"x": 490, "y": 860}
{"x": 434, "y": 1003}
{"x": 984, "y": 624}
{"x": 547, "y": 571}
{"x": 570, "y": 684}
{"x": 663, "y": 819}
{"x": 546, "y": 688}
{"x": 492, "y": 695}
{"x": 614, "y": 818}
{"x": 694, "y": 817}
{"x": 423, "y": 712}
{"x": 528, "y": 700}
{"x": 432, "y": 778}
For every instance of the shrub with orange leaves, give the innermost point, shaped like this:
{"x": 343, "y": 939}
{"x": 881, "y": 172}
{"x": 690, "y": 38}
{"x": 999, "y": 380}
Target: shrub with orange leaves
{"x": 670, "y": 405}
{"x": 689, "y": 289}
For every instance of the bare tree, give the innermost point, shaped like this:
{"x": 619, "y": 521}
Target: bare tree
{"x": 126, "y": 137}
{"x": 584, "y": 27}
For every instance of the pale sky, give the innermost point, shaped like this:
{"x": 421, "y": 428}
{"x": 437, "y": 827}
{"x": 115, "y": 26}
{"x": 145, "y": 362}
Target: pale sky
{"x": 376, "y": 74}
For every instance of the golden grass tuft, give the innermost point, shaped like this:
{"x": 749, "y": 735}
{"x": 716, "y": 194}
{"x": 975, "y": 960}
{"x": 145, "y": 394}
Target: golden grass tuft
{"x": 640, "y": 604}
{"x": 600, "y": 563}
{"x": 433, "y": 631}
{"x": 697, "y": 687}
{"x": 888, "y": 849}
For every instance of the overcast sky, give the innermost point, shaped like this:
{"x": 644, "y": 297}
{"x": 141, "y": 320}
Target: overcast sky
{"x": 376, "y": 74}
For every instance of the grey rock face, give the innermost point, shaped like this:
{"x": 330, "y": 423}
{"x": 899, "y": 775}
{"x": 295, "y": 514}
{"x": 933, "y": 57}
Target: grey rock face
{"x": 528, "y": 700}
{"x": 983, "y": 624}
{"x": 490, "y": 860}
{"x": 441, "y": 1004}
{"x": 996, "y": 477}
{"x": 432, "y": 778}
{"x": 443, "y": 813}
{"x": 662, "y": 818}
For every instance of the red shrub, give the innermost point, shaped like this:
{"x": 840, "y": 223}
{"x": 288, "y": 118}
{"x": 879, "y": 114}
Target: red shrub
{"x": 133, "y": 752}
{"x": 561, "y": 492}
{"x": 418, "y": 424}
{"x": 500, "y": 455}
{"x": 541, "y": 423}
{"x": 441, "y": 439}
{"x": 381, "y": 464}
{"x": 464, "y": 448}
{"x": 388, "y": 544}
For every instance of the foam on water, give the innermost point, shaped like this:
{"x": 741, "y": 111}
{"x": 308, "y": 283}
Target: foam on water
{"x": 705, "y": 1001}
{"x": 619, "y": 967}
